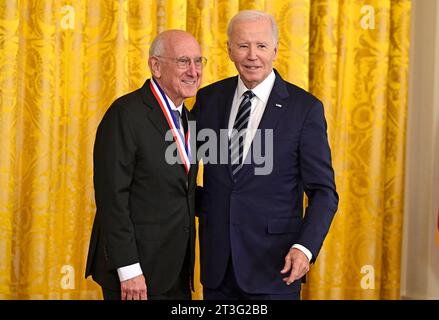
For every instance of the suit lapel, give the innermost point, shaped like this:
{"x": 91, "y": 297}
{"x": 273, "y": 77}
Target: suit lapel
{"x": 226, "y": 102}
{"x": 155, "y": 113}
{"x": 276, "y": 105}
{"x": 156, "y": 116}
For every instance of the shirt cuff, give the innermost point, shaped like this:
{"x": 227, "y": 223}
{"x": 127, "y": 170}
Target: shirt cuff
{"x": 304, "y": 250}
{"x": 129, "y": 272}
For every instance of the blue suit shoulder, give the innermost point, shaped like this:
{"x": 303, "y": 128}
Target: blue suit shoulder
{"x": 218, "y": 86}
{"x": 307, "y": 106}
{"x": 302, "y": 96}
{"x": 211, "y": 93}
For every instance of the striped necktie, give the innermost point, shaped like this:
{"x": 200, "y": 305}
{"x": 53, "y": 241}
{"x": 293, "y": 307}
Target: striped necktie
{"x": 237, "y": 138}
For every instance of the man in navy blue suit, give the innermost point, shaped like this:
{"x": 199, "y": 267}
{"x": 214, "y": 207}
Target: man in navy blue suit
{"x": 255, "y": 241}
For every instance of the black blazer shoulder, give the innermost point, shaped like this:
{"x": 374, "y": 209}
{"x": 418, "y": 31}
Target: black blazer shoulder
{"x": 133, "y": 103}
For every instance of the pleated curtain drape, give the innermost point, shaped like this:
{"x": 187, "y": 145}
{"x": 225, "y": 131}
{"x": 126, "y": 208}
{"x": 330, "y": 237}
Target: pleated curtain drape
{"x": 62, "y": 63}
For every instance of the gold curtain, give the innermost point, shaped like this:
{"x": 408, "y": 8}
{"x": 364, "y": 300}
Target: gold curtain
{"x": 63, "y": 62}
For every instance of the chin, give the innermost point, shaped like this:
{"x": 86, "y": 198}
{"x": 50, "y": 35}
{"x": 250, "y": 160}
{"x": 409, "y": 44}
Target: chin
{"x": 253, "y": 81}
{"x": 190, "y": 93}
{"x": 251, "y": 77}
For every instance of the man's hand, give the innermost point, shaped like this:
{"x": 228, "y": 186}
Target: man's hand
{"x": 297, "y": 261}
{"x": 134, "y": 288}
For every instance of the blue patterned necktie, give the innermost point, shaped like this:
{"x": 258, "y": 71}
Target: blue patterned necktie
{"x": 181, "y": 122}
{"x": 237, "y": 138}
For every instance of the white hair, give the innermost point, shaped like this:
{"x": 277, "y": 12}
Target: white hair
{"x": 156, "y": 47}
{"x": 252, "y": 15}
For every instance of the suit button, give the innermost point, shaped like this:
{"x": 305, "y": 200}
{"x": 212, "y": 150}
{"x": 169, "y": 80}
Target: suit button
{"x": 186, "y": 229}
{"x": 187, "y": 185}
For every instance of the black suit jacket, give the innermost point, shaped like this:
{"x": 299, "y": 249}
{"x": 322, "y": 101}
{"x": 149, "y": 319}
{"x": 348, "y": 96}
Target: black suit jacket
{"x": 145, "y": 206}
{"x": 256, "y": 218}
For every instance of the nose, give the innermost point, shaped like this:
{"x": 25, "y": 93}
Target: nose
{"x": 251, "y": 53}
{"x": 192, "y": 70}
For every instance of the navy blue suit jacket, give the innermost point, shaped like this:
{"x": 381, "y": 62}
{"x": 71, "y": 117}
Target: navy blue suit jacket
{"x": 256, "y": 218}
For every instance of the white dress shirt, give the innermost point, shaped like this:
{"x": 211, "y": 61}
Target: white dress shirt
{"x": 259, "y": 102}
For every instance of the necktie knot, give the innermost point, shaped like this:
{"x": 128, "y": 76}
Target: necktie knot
{"x": 176, "y": 113}
{"x": 248, "y": 94}
{"x": 181, "y": 120}
{"x": 177, "y": 117}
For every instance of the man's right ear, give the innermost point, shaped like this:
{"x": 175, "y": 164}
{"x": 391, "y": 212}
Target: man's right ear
{"x": 229, "y": 51}
{"x": 154, "y": 66}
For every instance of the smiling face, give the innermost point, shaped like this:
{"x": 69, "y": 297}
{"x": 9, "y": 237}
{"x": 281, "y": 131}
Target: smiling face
{"x": 178, "y": 83}
{"x": 251, "y": 47}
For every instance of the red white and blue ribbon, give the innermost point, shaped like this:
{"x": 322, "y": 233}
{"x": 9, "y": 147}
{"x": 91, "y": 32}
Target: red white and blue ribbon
{"x": 182, "y": 141}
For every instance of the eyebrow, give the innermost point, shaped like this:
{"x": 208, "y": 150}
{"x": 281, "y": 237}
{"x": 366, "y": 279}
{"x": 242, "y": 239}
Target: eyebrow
{"x": 196, "y": 57}
{"x": 248, "y": 42}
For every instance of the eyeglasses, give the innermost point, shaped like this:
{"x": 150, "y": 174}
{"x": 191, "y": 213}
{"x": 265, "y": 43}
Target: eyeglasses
{"x": 185, "y": 62}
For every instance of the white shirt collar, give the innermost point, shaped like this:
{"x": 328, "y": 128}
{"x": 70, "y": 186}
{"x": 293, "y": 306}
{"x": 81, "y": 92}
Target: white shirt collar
{"x": 262, "y": 91}
{"x": 172, "y": 105}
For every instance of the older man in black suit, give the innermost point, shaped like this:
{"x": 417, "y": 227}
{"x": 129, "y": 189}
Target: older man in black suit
{"x": 143, "y": 238}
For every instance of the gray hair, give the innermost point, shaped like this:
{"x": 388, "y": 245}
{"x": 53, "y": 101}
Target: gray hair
{"x": 252, "y": 15}
{"x": 157, "y": 45}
